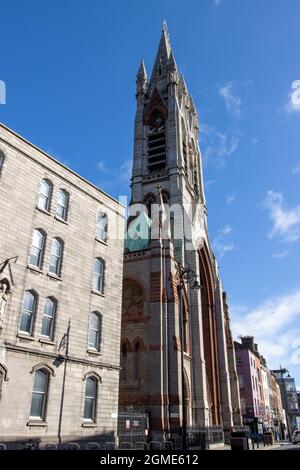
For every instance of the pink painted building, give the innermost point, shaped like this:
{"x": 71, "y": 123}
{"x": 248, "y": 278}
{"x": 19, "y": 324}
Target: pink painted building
{"x": 250, "y": 381}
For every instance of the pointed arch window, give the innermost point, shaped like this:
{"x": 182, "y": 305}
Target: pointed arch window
{"x": 28, "y": 312}
{"x": 49, "y": 317}
{"x": 184, "y": 148}
{"x": 95, "y": 328}
{"x": 90, "y": 399}
{"x": 37, "y": 248}
{"x": 39, "y": 394}
{"x": 56, "y": 256}
{"x": 62, "y": 204}
{"x": 101, "y": 226}
{"x": 124, "y": 361}
{"x": 98, "y": 275}
{"x": 156, "y": 142}
{"x": 45, "y": 195}
{"x": 137, "y": 361}
{"x": 149, "y": 203}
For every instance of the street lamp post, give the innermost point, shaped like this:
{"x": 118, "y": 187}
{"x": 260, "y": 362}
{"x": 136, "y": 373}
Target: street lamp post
{"x": 186, "y": 276}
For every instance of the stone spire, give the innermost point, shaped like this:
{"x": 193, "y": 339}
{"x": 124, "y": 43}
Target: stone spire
{"x": 163, "y": 54}
{"x": 141, "y": 80}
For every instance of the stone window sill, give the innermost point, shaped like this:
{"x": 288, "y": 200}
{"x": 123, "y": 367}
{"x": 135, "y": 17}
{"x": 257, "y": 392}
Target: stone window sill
{"x": 34, "y": 268}
{"x": 24, "y": 335}
{"x": 54, "y": 276}
{"x": 96, "y": 292}
{"x": 63, "y": 221}
{"x": 101, "y": 241}
{"x": 45, "y": 211}
{"x": 36, "y": 422}
{"x": 89, "y": 424}
{"x": 94, "y": 352}
{"x": 47, "y": 341}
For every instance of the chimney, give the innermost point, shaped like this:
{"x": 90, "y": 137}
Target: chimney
{"x": 248, "y": 342}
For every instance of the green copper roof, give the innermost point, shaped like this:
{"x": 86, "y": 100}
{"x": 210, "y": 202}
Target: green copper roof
{"x": 138, "y": 234}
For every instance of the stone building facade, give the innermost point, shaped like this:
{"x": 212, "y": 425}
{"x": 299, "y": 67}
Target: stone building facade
{"x": 176, "y": 350}
{"x": 61, "y": 263}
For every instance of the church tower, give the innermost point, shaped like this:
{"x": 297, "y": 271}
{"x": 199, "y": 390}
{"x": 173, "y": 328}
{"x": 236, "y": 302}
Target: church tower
{"x": 173, "y": 351}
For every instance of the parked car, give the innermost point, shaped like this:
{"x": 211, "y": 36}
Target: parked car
{"x": 296, "y": 437}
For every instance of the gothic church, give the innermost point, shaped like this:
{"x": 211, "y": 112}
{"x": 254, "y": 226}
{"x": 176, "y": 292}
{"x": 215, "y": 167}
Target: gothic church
{"x": 177, "y": 355}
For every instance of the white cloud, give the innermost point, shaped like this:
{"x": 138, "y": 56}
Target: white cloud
{"x": 209, "y": 183}
{"x": 294, "y": 98}
{"x": 115, "y": 179}
{"x": 286, "y": 222}
{"x": 226, "y": 230}
{"x": 221, "y": 243}
{"x": 230, "y": 199}
{"x": 275, "y": 327}
{"x": 281, "y": 254}
{"x": 271, "y": 316}
{"x": 222, "y": 247}
{"x": 296, "y": 170}
{"x": 101, "y": 166}
{"x": 125, "y": 173}
{"x": 232, "y": 100}
{"x": 217, "y": 145}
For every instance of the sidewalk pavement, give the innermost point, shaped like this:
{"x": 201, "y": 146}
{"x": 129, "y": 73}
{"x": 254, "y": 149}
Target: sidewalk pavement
{"x": 274, "y": 446}
{"x": 261, "y": 446}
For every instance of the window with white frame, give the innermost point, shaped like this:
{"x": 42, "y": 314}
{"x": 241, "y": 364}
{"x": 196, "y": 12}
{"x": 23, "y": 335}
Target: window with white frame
{"x": 37, "y": 248}
{"x": 98, "y": 275}
{"x": 28, "y": 312}
{"x": 62, "y": 204}
{"x": 45, "y": 195}
{"x": 101, "y": 226}
{"x": 95, "y": 331}
{"x": 56, "y": 256}
{"x": 49, "y": 317}
{"x": 90, "y": 400}
{"x": 1, "y": 161}
{"x": 39, "y": 395}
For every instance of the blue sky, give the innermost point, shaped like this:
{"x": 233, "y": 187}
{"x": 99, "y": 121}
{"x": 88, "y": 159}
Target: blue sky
{"x": 69, "y": 68}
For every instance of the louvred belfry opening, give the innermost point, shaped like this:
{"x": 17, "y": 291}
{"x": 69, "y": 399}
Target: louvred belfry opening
{"x": 155, "y": 118}
{"x": 156, "y": 143}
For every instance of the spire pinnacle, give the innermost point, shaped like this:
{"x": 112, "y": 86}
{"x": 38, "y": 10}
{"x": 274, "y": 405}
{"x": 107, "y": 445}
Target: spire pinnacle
{"x": 165, "y": 27}
{"x": 163, "y": 54}
{"x": 142, "y": 71}
{"x": 141, "y": 80}
{"x": 183, "y": 84}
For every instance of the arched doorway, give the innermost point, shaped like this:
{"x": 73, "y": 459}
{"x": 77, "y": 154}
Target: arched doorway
{"x": 209, "y": 337}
